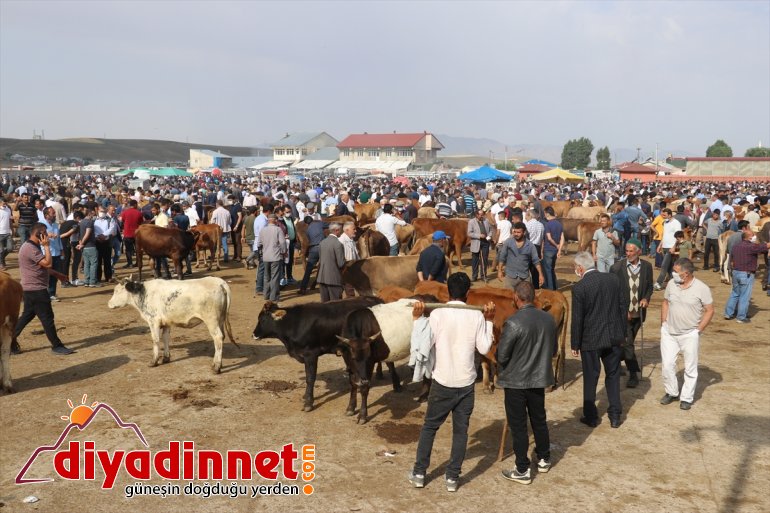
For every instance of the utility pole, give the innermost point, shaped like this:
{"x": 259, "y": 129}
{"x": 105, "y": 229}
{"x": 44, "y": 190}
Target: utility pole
{"x": 638, "y": 150}
{"x": 505, "y": 161}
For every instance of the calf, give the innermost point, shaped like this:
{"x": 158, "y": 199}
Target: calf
{"x": 209, "y": 238}
{"x": 164, "y": 304}
{"x": 11, "y": 294}
{"x": 308, "y": 331}
{"x": 724, "y": 257}
{"x": 160, "y": 242}
{"x": 369, "y": 275}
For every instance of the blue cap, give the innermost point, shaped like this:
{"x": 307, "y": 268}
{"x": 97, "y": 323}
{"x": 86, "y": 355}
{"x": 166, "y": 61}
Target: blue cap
{"x": 439, "y": 235}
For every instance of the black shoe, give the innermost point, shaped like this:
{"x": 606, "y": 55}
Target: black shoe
{"x": 15, "y": 348}
{"x": 668, "y": 399}
{"x": 633, "y": 381}
{"x": 589, "y": 422}
{"x": 126, "y": 266}
{"x": 684, "y": 405}
{"x": 62, "y": 350}
{"x": 615, "y": 423}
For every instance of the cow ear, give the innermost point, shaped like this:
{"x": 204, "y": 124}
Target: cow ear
{"x": 380, "y": 349}
{"x": 134, "y": 287}
{"x": 278, "y": 314}
{"x": 269, "y": 306}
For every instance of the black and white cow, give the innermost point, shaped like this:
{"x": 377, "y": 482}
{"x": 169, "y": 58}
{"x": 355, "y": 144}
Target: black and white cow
{"x": 308, "y": 331}
{"x": 179, "y": 303}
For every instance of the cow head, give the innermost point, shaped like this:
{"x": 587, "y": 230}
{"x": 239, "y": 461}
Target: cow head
{"x": 361, "y": 345}
{"x": 124, "y": 291}
{"x": 268, "y": 317}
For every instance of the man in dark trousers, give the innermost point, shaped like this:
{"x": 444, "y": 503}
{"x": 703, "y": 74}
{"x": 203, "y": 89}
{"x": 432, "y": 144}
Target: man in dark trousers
{"x": 527, "y": 344}
{"x": 432, "y": 264}
{"x": 331, "y": 259}
{"x": 315, "y": 234}
{"x": 635, "y": 277}
{"x": 35, "y": 261}
{"x": 599, "y": 310}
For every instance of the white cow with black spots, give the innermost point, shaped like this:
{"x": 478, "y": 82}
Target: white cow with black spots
{"x": 187, "y": 303}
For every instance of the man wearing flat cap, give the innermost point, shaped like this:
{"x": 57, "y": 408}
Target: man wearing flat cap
{"x": 635, "y": 276}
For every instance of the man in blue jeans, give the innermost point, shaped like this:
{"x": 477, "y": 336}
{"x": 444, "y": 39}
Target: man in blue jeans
{"x": 744, "y": 258}
{"x": 456, "y": 335}
{"x": 553, "y": 244}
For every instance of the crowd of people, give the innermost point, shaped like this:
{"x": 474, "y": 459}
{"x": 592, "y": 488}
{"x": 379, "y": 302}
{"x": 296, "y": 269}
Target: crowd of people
{"x": 80, "y": 226}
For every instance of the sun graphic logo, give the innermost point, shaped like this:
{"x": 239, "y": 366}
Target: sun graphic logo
{"x": 79, "y": 418}
{"x": 80, "y": 415}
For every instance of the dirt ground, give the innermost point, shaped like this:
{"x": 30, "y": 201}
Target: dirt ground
{"x": 714, "y": 458}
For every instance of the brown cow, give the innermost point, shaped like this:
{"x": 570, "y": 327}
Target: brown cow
{"x": 420, "y": 244}
{"x": 560, "y": 208}
{"x": 591, "y": 213}
{"x": 553, "y": 302}
{"x": 372, "y": 243}
{"x": 370, "y": 275}
{"x": 427, "y": 212}
{"x": 11, "y": 292}
{"x": 586, "y": 230}
{"x": 158, "y": 242}
{"x": 405, "y": 235}
{"x": 304, "y": 242}
{"x": 456, "y": 229}
{"x": 365, "y": 212}
{"x": 210, "y": 239}
{"x": 392, "y": 293}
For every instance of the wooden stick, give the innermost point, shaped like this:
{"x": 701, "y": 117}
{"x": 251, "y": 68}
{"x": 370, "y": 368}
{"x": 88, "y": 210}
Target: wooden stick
{"x": 430, "y": 306}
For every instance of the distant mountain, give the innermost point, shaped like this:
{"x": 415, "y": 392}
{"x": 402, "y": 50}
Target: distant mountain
{"x": 123, "y": 150}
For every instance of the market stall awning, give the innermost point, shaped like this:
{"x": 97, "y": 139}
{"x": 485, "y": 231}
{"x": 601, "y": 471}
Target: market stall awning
{"x": 273, "y": 164}
{"x": 557, "y": 175}
{"x": 485, "y": 174}
{"x": 311, "y": 164}
{"x": 384, "y": 165}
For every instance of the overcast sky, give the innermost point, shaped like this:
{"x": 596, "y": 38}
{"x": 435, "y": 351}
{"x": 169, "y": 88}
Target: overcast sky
{"x": 624, "y": 74}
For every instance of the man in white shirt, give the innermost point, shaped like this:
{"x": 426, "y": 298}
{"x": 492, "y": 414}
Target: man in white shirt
{"x": 456, "y": 335}
{"x": 670, "y": 227}
{"x": 351, "y": 251}
{"x": 221, "y": 217}
{"x": 424, "y": 196}
{"x": 536, "y": 232}
{"x": 191, "y": 214}
{"x": 386, "y": 225}
{"x": 6, "y": 239}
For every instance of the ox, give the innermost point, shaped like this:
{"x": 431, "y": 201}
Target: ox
{"x": 456, "y": 229}
{"x": 369, "y": 275}
{"x": 209, "y": 239}
{"x": 308, "y": 331}
{"x": 560, "y": 208}
{"x": 724, "y": 257}
{"x": 585, "y": 234}
{"x": 165, "y": 304}
{"x": 372, "y": 243}
{"x": 551, "y": 301}
{"x": 591, "y": 213}
{"x": 365, "y": 212}
{"x": 420, "y": 244}
{"x": 11, "y": 292}
{"x": 164, "y": 242}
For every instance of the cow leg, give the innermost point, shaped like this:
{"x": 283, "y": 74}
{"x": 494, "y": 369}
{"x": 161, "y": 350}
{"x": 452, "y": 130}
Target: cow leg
{"x": 219, "y": 338}
{"x": 424, "y": 390}
{"x": 311, "y": 368}
{"x": 139, "y": 259}
{"x": 394, "y": 377}
{"x": 379, "y": 373}
{"x": 178, "y": 266}
{"x": 6, "y": 336}
{"x": 166, "y": 334}
{"x": 351, "y": 410}
{"x": 364, "y": 411}
{"x": 486, "y": 367}
{"x": 155, "y": 333}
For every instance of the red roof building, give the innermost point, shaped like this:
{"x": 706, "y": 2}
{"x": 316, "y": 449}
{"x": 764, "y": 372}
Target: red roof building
{"x": 634, "y": 171}
{"x": 418, "y": 148}
{"x": 528, "y": 170}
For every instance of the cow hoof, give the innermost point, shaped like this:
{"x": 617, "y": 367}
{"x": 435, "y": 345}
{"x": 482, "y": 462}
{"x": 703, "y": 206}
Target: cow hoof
{"x": 153, "y": 364}
{"x": 166, "y": 359}
{"x": 217, "y": 369}
{"x": 361, "y": 420}
{"x": 398, "y": 389}
{"x": 350, "y": 413}
{"x": 8, "y": 389}
{"x": 489, "y": 390}
{"x": 307, "y": 407}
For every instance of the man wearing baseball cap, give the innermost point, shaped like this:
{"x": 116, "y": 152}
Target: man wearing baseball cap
{"x": 432, "y": 265}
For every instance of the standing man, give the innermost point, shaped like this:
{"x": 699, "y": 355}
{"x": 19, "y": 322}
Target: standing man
{"x": 480, "y": 234}
{"x": 132, "y": 218}
{"x": 527, "y": 344}
{"x": 6, "y": 234}
{"x": 221, "y": 217}
{"x": 456, "y": 335}
{"x": 236, "y": 224}
{"x": 386, "y": 225}
{"x": 635, "y": 277}
{"x": 27, "y": 217}
{"x": 516, "y": 255}
{"x": 535, "y": 232}
{"x": 331, "y": 260}
{"x": 34, "y": 265}
{"x": 713, "y": 228}
{"x": 271, "y": 243}
{"x": 603, "y": 244}
{"x": 686, "y": 311}
{"x": 599, "y": 311}
{"x": 667, "y": 242}
{"x": 247, "y": 236}
{"x": 87, "y": 247}
{"x": 553, "y": 245}
{"x": 105, "y": 229}
{"x": 351, "y": 251}
{"x": 291, "y": 240}
{"x": 744, "y": 258}
{"x": 54, "y": 247}
{"x": 315, "y": 235}
{"x": 432, "y": 265}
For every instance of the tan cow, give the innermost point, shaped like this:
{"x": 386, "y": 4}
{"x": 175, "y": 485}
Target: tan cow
{"x": 560, "y": 208}
{"x": 724, "y": 257}
{"x": 370, "y": 275}
{"x": 210, "y": 239}
{"x": 11, "y": 294}
{"x": 456, "y": 229}
{"x": 365, "y": 212}
{"x": 591, "y": 213}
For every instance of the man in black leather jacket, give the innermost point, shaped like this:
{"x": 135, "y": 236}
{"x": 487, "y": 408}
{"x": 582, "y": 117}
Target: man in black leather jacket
{"x": 527, "y": 344}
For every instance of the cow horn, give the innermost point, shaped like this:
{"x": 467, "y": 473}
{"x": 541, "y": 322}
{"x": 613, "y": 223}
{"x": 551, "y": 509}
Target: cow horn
{"x": 374, "y": 337}
{"x": 343, "y": 339}
{"x": 131, "y": 277}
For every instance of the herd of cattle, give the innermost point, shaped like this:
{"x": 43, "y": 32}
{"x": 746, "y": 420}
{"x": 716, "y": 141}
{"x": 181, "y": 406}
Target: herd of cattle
{"x": 366, "y": 330}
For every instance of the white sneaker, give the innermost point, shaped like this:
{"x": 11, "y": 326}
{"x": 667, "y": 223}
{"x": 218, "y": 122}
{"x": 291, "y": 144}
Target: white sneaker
{"x": 657, "y": 286}
{"x": 543, "y": 466}
{"x": 54, "y": 299}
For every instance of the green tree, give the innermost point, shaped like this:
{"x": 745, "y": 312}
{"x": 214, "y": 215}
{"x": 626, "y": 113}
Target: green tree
{"x": 758, "y": 152}
{"x": 577, "y": 153}
{"x": 603, "y": 158}
{"x": 719, "y": 149}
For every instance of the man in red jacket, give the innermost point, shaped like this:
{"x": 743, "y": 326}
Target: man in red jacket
{"x": 132, "y": 218}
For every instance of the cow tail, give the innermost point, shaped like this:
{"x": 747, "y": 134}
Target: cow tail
{"x": 227, "y": 318}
